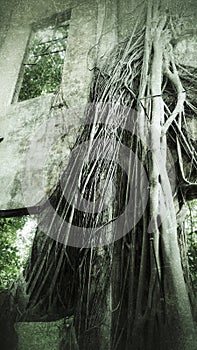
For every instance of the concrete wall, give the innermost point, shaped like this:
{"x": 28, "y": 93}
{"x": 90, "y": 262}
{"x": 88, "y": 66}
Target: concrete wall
{"x": 37, "y": 139}
{"x": 24, "y": 182}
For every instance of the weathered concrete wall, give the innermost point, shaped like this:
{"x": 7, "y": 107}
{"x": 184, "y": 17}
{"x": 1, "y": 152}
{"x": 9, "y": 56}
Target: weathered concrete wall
{"x": 26, "y": 176}
{"x": 36, "y": 146}
{"x": 80, "y": 55}
{"x": 25, "y": 179}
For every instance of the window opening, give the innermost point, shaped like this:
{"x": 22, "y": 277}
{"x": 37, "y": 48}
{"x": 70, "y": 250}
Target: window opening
{"x": 43, "y": 62}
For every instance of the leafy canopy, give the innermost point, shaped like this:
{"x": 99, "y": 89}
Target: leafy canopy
{"x": 9, "y": 257}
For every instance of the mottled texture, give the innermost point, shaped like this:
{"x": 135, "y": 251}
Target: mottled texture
{"x": 54, "y": 335}
{"x": 39, "y": 335}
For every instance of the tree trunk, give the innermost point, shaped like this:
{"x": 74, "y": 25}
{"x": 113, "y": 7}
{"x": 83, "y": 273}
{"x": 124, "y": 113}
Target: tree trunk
{"x": 131, "y": 293}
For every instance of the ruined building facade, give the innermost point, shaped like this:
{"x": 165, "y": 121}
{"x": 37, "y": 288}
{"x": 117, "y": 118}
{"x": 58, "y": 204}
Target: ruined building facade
{"x": 35, "y": 126}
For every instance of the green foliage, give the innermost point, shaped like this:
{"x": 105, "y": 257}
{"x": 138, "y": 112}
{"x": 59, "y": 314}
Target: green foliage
{"x": 44, "y": 61}
{"x": 192, "y": 256}
{"x": 43, "y": 77}
{"x": 9, "y": 258}
{"x": 191, "y": 229}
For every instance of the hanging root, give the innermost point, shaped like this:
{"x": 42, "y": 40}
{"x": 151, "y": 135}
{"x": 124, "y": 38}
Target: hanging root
{"x": 141, "y": 272}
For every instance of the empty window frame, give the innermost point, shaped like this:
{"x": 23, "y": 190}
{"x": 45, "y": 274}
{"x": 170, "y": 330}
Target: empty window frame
{"x": 41, "y": 72}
